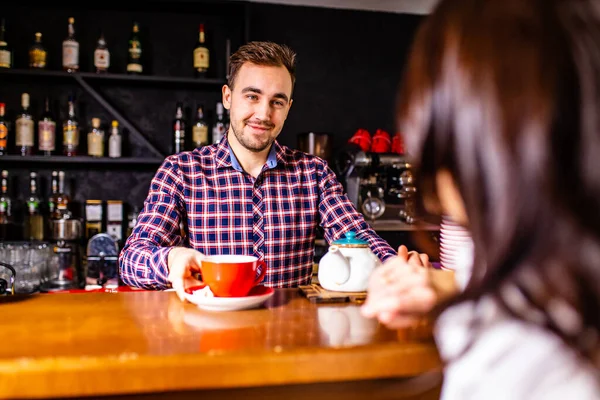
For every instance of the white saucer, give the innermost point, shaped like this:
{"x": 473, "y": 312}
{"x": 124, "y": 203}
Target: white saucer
{"x": 258, "y": 295}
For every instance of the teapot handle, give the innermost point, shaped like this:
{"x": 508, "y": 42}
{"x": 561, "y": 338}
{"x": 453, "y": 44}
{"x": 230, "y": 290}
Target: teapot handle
{"x": 12, "y": 278}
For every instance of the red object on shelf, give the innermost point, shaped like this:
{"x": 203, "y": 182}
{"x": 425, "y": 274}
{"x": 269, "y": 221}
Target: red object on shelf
{"x": 381, "y": 142}
{"x": 397, "y": 144}
{"x": 361, "y": 138}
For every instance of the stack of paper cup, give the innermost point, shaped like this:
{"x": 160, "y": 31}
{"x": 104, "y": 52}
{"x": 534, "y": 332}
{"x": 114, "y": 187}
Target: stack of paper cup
{"x": 456, "y": 250}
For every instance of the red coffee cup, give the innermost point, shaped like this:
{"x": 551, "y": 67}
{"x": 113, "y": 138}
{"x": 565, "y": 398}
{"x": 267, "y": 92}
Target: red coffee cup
{"x": 232, "y": 275}
{"x": 361, "y": 138}
{"x": 382, "y": 142}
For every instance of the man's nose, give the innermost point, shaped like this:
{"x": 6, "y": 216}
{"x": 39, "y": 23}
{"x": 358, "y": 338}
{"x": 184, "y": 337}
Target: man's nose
{"x": 263, "y": 111}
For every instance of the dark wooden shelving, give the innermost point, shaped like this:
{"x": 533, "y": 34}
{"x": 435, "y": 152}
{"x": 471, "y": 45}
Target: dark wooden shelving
{"x": 147, "y": 161}
{"x": 117, "y": 78}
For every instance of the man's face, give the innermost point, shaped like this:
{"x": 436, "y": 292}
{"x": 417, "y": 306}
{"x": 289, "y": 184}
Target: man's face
{"x": 258, "y": 105}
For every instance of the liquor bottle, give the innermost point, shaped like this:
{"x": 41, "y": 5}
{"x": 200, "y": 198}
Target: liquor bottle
{"x": 178, "y": 130}
{"x": 47, "y": 131}
{"x": 24, "y": 128}
{"x": 201, "y": 55}
{"x": 95, "y": 139}
{"x": 5, "y": 53}
{"x": 71, "y": 131}
{"x": 70, "y": 49}
{"x": 200, "y": 129}
{"x": 5, "y": 208}
{"x": 219, "y": 127}
{"x": 53, "y": 199}
{"x": 3, "y": 131}
{"x": 101, "y": 55}
{"x": 62, "y": 199}
{"x": 37, "y": 53}
{"x": 114, "y": 141}
{"x": 34, "y": 227}
{"x": 134, "y": 60}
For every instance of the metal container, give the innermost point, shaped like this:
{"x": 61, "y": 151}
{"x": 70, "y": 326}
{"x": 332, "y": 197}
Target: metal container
{"x": 318, "y": 144}
{"x": 65, "y": 229}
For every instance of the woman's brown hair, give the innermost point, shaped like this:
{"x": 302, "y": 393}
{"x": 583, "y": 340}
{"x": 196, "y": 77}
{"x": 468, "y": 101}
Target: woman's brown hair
{"x": 505, "y": 94}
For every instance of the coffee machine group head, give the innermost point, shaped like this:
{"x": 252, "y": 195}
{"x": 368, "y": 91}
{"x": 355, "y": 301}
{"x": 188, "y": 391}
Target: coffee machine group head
{"x": 380, "y": 185}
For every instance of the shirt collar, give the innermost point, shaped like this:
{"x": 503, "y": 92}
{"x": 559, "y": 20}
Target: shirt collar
{"x": 225, "y": 157}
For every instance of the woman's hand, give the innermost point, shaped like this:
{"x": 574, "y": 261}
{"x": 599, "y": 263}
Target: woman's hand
{"x": 400, "y": 292}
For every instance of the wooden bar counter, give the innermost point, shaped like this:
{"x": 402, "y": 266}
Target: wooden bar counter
{"x": 148, "y": 344}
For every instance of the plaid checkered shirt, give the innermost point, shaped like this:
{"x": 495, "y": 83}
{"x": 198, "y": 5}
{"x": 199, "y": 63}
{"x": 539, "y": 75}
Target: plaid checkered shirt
{"x": 224, "y": 210}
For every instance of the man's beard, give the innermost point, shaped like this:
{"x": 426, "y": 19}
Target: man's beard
{"x": 248, "y": 144}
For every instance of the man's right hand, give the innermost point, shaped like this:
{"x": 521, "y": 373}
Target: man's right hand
{"x": 183, "y": 265}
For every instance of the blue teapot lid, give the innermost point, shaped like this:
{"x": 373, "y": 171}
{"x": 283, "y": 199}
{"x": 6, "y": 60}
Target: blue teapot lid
{"x": 351, "y": 240}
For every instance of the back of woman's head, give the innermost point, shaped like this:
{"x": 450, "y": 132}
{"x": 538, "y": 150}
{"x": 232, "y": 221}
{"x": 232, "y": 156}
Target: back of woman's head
{"x": 505, "y": 94}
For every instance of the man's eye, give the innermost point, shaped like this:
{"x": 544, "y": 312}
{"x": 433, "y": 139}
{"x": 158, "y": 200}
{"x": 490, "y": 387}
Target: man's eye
{"x": 252, "y": 97}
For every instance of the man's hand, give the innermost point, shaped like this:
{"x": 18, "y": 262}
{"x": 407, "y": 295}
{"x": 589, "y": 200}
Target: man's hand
{"x": 400, "y": 291}
{"x": 183, "y": 265}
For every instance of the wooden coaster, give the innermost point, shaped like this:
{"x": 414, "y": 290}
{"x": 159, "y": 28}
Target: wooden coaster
{"x": 316, "y": 294}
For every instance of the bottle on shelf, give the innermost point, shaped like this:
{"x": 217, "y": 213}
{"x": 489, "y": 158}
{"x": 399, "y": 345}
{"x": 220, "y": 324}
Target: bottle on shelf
{"x": 5, "y": 208}
{"x": 24, "y": 136}
{"x": 62, "y": 199}
{"x": 5, "y": 53}
{"x": 34, "y": 225}
{"x": 37, "y": 53}
{"x": 3, "y": 131}
{"x": 178, "y": 130}
{"x": 134, "y": 59}
{"x": 95, "y": 139}
{"x": 47, "y": 131}
{"x": 52, "y": 200}
{"x": 101, "y": 55}
{"x": 114, "y": 141}
{"x": 70, "y": 49}
{"x": 201, "y": 55}
{"x": 200, "y": 129}
{"x": 71, "y": 131}
{"x": 219, "y": 130}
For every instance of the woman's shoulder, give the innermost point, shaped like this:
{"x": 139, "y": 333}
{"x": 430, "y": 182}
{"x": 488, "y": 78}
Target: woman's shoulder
{"x": 508, "y": 358}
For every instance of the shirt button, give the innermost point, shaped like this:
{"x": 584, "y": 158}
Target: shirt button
{"x": 255, "y": 217}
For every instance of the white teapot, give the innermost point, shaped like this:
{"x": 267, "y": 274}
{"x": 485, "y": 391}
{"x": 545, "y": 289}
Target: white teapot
{"x": 347, "y": 265}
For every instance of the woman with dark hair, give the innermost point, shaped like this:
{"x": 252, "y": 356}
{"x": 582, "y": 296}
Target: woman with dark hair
{"x": 500, "y": 107}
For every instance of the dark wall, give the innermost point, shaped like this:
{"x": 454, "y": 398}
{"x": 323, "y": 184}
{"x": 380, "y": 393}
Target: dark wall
{"x": 349, "y": 65}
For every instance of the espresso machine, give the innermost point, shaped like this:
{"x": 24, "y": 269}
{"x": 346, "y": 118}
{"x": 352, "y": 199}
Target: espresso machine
{"x": 64, "y": 270}
{"x": 380, "y": 185}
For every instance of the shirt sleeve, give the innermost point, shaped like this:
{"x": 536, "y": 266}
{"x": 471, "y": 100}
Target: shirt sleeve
{"x": 338, "y": 214}
{"x": 143, "y": 259}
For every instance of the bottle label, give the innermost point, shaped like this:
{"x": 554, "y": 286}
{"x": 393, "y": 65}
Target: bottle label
{"x": 3, "y": 207}
{"x": 37, "y": 58}
{"x": 70, "y": 54}
{"x": 47, "y": 135}
{"x": 101, "y": 58}
{"x": 134, "y": 68}
{"x": 3, "y": 136}
{"x": 201, "y": 58}
{"x": 114, "y": 146}
{"x": 71, "y": 135}
{"x": 24, "y": 134}
{"x": 95, "y": 145}
{"x": 200, "y": 135}
{"x": 32, "y": 206}
{"x": 4, "y": 58}
{"x": 218, "y": 132}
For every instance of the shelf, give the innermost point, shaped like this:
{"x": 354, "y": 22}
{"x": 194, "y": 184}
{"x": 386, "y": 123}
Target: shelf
{"x": 80, "y": 160}
{"x": 115, "y": 78}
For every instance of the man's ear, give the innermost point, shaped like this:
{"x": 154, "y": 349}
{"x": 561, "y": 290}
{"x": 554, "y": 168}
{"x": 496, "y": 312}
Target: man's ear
{"x": 226, "y": 97}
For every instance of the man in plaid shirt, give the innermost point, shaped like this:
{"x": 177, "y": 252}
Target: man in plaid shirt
{"x": 244, "y": 195}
